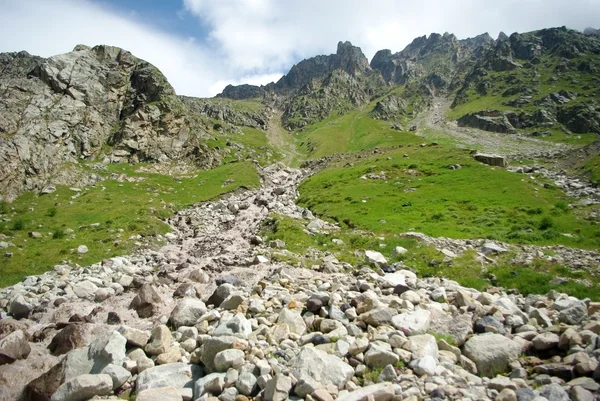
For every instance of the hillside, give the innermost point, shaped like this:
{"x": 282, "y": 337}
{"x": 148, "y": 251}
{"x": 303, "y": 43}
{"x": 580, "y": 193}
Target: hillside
{"x": 423, "y": 226}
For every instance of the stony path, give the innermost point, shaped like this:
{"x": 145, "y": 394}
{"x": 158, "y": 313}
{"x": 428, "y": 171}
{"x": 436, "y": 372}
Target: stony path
{"x": 262, "y": 330}
{"x": 435, "y": 120}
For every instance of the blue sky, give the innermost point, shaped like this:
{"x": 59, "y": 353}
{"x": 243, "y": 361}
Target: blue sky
{"x": 203, "y": 45}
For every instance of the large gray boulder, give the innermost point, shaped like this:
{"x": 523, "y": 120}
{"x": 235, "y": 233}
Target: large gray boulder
{"x": 314, "y": 365}
{"x": 187, "y": 312}
{"x": 413, "y": 323}
{"x": 84, "y": 387}
{"x": 492, "y": 353}
{"x": 177, "y": 375}
{"x": 213, "y": 345}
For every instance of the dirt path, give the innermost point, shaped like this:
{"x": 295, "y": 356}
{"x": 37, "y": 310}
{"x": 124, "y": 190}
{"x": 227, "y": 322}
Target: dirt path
{"x": 432, "y": 124}
{"x": 281, "y": 140}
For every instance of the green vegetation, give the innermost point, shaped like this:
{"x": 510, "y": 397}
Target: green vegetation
{"x": 250, "y": 144}
{"x": 446, "y": 337}
{"x": 107, "y": 218}
{"x": 391, "y": 193}
{"x": 352, "y": 132}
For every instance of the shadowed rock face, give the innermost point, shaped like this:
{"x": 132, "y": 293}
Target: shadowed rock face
{"x": 69, "y": 107}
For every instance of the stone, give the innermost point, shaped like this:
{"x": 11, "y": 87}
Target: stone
{"x": 84, "y": 387}
{"x": 146, "y": 302}
{"x": 85, "y": 289}
{"x": 232, "y": 302}
{"x": 507, "y": 394}
{"x": 160, "y": 340}
{"x": 554, "y": 392}
{"x": 545, "y": 341}
{"x": 213, "y": 345}
{"x": 220, "y": 294}
{"x": 399, "y": 251}
{"x": 135, "y": 337}
{"x": 159, "y": 394}
{"x": 278, "y": 388}
{"x": 236, "y": 325}
{"x": 375, "y": 258}
{"x": 81, "y": 249}
{"x": 247, "y": 384}
{"x": 388, "y": 374}
{"x": 374, "y": 392}
{"x": 209, "y": 384}
{"x": 492, "y": 353}
{"x": 14, "y": 347}
{"x": 574, "y": 314}
{"x": 176, "y": 374}
{"x": 378, "y": 317}
{"x": 423, "y": 345}
{"x": 106, "y": 350}
{"x": 187, "y": 312}
{"x": 20, "y": 308}
{"x": 581, "y": 394}
{"x": 293, "y": 319}
{"x": 118, "y": 374}
{"x": 380, "y": 354}
{"x": 229, "y": 358}
{"x": 489, "y": 323}
{"x": 424, "y": 366}
{"x": 317, "y": 366}
{"x": 542, "y": 319}
{"x": 413, "y": 323}
{"x": 69, "y": 338}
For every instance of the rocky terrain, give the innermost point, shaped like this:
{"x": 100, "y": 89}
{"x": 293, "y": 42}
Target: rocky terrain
{"x": 218, "y": 311}
{"x": 209, "y": 315}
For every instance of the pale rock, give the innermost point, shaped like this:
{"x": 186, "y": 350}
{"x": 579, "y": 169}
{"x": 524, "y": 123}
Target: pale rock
{"x": 187, "y": 312}
{"x": 278, "y": 388}
{"x": 375, "y": 258}
{"x": 293, "y": 319}
{"x": 413, "y": 323}
{"x": 492, "y": 353}
{"x": 84, "y": 387}
{"x": 159, "y": 394}
{"x": 229, "y": 358}
{"x": 177, "y": 374}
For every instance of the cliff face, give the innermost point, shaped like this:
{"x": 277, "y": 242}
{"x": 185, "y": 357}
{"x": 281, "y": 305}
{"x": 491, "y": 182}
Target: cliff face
{"x": 91, "y": 102}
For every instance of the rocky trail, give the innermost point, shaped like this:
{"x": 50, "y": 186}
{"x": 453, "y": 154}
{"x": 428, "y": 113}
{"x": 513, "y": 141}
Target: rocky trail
{"x": 512, "y": 145}
{"x": 209, "y": 315}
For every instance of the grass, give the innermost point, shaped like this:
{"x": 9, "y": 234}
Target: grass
{"x": 352, "y": 132}
{"x": 476, "y": 201}
{"x": 106, "y": 217}
{"x": 250, "y": 144}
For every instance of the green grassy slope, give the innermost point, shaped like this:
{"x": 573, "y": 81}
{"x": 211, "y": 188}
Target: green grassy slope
{"x": 106, "y": 218}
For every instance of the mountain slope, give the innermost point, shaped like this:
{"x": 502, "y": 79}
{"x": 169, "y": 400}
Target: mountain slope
{"x": 83, "y": 104}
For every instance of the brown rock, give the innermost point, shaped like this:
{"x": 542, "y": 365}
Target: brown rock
{"x": 146, "y": 301}
{"x": 14, "y": 346}
{"x": 67, "y": 339}
{"x": 42, "y": 388}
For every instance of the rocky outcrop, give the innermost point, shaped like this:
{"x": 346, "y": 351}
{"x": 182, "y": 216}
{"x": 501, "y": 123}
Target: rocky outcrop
{"x": 89, "y": 103}
{"x": 489, "y": 120}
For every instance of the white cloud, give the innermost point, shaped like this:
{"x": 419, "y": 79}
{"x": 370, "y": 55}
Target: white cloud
{"x": 253, "y": 41}
{"x": 256, "y": 34}
{"x": 49, "y": 27}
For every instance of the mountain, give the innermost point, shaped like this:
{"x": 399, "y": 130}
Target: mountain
{"x": 103, "y": 103}
{"x": 429, "y": 217}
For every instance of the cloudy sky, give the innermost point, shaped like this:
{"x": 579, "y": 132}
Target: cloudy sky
{"x": 202, "y": 45}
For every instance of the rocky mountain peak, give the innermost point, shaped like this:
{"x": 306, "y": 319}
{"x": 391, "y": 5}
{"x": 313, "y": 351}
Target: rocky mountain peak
{"x": 351, "y": 58}
{"x": 70, "y": 106}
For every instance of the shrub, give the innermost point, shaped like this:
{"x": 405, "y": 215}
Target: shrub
{"x": 546, "y": 223}
{"x": 18, "y": 225}
{"x": 562, "y": 205}
{"x": 51, "y": 212}
{"x": 58, "y": 234}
